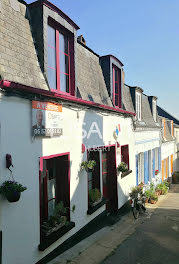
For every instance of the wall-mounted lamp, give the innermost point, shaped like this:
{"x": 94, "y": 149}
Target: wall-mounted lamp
{"x": 8, "y": 161}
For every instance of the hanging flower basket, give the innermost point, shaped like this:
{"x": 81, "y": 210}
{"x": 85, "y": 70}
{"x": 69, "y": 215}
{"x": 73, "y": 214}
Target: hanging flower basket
{"x": 12, "y": 190}
{"x": 88, "y": 165}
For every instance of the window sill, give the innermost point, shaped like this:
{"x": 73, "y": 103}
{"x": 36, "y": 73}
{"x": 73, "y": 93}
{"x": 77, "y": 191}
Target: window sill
{"x": 94, "y": 208}
{"x": 124, "y": 174}
{"x": 50, "y": 239}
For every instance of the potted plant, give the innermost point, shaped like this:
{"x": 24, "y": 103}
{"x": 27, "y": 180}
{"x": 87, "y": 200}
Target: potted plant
{"x": 122, "y": 167}
{"x": 148, "y": 194}
{"x": 153, "y": 198}
{"x": 88, "y": 165}
{"x": 12, "y": 190}
{"x": 94, "y": 197}
{"x": 156, "y": 172}
{"x": 137, "y": 190}
{"x": 57, "y": 220}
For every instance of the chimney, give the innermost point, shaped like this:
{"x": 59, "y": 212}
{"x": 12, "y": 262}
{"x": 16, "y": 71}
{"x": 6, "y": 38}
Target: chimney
{"x": 82, "y": 40}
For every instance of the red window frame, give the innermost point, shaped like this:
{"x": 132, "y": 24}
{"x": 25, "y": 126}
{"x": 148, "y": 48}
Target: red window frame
{"x": 117, "y": 81}
{"x": 43, "y": 183}
{"x": 125, "y": 154}
{"x": 70, "y": 54}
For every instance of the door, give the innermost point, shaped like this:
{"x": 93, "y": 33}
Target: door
{"x": 110, "y": 179}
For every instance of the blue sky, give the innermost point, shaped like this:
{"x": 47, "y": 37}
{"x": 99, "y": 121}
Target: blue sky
{"x": 144, "y": 35}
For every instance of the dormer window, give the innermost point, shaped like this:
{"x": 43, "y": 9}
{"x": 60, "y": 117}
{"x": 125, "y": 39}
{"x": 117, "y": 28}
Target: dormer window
{"x": 116, "y": 86}
{"x": 60, "y": 68}
{"x": 138, "y": 105}
{"x": 154, "y": 110}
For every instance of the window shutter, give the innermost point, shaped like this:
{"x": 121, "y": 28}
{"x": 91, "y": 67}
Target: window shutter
{"x": 153, "y": 163}
{"x": 159, "y": 158}
{"x": 136, "y": 169}
{"x": 146, "y": 167}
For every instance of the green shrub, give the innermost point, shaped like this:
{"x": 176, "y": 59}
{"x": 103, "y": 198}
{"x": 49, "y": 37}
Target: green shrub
{"x": 11, "y": 186}
{"x": 148, "y": 193}
{"x": 94, "y": 195}
{"x": 88, "y": 164}
{"x": 122, "y": 167}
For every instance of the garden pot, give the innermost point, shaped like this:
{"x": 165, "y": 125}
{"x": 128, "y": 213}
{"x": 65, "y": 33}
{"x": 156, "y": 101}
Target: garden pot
{"x": 158, "y": 193}
{"x": 147, "y": 200}
{"x": 13, "y": 196}
{"x": 153, "y": 201}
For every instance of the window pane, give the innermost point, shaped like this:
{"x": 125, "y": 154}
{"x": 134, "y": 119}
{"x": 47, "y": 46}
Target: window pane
{"x": 62, "y": 82}
{"x": 116, "y": 75}
{"x": 90, "y": 175}
{"x": 116, "y": 100}
{"x": 51, "y": 36}
{"x": 51, "y": 207}
{"x": 51, "y": 189}
{"x": 51, "y": 58}
{"x": 64, "y": 63}
{"x": 63, "y": 43}
{"x": 52, "y": 78}
{"x": 104, "y": 155}
{"x": 116, "y": 88}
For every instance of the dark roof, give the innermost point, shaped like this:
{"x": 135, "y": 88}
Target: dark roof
{"x": 126, "y": 99}
{"x": 18, "y": 57}
{"x": 90, "y": 79}
{"x": 163, "y": 113}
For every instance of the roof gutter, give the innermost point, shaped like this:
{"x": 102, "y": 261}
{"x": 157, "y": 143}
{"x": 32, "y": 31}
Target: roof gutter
{"x": 8, "y": 85}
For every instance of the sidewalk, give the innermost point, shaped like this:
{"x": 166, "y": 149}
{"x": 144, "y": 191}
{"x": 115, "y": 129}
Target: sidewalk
{"x": 94, "y": 249}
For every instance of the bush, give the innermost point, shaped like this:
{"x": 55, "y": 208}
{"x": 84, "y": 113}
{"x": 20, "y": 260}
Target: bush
{"x": 148, "y": 193}
{"x": 122, "y": 167}
{"x": 163, "y": 187}
{"x": 135, "y": 191}
{"x": 154, "y": 197}
{"x": 94, "y": 195}
{"x": 88, "y": 164}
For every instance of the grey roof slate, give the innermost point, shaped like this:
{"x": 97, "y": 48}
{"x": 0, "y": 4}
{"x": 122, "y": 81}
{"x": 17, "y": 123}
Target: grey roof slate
{"x": 18, "y": 58}
{"x": 126, "y": 99}
{"x": 90, "y": 79}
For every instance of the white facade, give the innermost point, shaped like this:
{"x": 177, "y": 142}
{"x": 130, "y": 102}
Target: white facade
{"x": 20, "y": 221}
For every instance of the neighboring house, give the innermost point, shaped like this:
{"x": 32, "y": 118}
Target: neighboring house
{"x": 60, "y": 105}
{"x": 170, "y": 142}
{"x": 147, "y": 136}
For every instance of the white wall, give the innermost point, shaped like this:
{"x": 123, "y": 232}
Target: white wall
{"x": 20, "y": 221}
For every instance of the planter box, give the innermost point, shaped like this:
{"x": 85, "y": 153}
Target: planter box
{"x": 96, "y": 206}
{"x": 125, "y": 173}
{"x": 48, "y": 240}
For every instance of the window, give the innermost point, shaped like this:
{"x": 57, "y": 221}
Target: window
{"x": 138, "y": 105}
{"x": 94, "y": 176}
{"x": 125, "y": 154}
{"x": 140, "y": 167}
{"x": 154, "y": 105}
{"x": 60, "y": 61}
{"x": 164, "y": 127}
{"x": 156, "y": 158}
{"x": 116, "y": 86}
{"x": 172, "y": 129}
{"x": 54, "y": 185}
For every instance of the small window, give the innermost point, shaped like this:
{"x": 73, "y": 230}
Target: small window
{"x": 138, "y": 106}
{"x": 94, "y": 176}
{"x": 125, "y": 154}
{"x": 60, "y": 61}
{"x": 154, "y": 110}
{"x": 116, "y": 86}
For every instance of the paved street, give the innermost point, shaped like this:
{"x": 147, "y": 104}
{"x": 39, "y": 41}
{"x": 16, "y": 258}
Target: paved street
{"x": 156, "y": 240}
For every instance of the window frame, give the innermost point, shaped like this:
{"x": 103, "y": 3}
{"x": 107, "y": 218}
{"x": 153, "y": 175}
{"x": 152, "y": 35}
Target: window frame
{"x": 128, "y": 163}
{"x": 41, "y": 191}
{"x": 119, "y": 83}
{"x": 71, "y": 66}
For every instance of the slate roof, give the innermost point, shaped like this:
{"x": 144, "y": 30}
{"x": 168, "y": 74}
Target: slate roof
{"x": 126, "y": 99}
{"x": 18, "y": 58}
{"x": 163, "y": 113}
{"x": 90, "y": 79}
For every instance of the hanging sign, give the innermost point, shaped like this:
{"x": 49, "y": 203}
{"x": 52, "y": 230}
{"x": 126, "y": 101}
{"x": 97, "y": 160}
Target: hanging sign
{"x": 46, "y": 119}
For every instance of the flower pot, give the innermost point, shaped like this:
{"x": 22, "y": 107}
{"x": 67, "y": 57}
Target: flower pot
{"x": 13, "y": 196}
{"x": 147, "y": 200}
{"x": 153, "y": 201}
